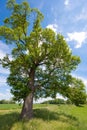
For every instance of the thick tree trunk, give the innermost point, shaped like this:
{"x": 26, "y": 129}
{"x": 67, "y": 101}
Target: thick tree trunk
{"x": 27, "y": 109}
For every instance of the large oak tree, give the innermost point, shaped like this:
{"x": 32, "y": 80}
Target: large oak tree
{"x": 41, "y": 59}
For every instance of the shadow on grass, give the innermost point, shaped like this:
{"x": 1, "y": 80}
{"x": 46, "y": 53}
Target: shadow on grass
{"x": 47, "y": 115}
{"x": 7, "y": 120}
{"x": 80, "y": 106}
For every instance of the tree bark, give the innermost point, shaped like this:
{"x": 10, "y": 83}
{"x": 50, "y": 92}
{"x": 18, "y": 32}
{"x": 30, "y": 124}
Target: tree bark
{"x": 27, "y": 109}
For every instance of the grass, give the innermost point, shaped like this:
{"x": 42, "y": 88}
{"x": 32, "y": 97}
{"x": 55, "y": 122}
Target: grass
{"x": 9, "y": 106}
{"x": 46, "y": 117}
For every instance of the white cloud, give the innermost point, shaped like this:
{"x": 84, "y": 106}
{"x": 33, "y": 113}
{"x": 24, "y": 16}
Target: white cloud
{"x": 3, "y": 49}
{"x": 66, "y": 2}
{"x": 2, "y": 96}
{"x": 2, "y": 54}
{"x": 8, "y": 90}
{"x": 7, "y": 95}
{"x": 71, "y": 5}
{"x": 3, "y": 81}
{"x": 54, "y": 27}
{"x": 40, "y": 100}
{"x": 4, "y": 91}
{"x": 79, "y": 37}
{"x": 3, "y": 70}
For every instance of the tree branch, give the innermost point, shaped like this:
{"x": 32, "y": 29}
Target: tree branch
{"x": 21, "y": 41}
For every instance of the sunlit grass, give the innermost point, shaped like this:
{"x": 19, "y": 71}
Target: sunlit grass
{"x": 46, "y": 117}
{"x": 9, "y": 106}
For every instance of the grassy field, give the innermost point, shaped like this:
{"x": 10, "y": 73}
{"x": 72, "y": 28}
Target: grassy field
{"x": 46, "y": 117}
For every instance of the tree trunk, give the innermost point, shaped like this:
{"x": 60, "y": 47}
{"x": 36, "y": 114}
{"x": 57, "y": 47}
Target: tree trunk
{"x": 27, "y": 109}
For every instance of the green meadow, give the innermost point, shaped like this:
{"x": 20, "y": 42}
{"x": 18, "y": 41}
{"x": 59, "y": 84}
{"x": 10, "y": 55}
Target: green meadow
{"x": 46, "y": 117}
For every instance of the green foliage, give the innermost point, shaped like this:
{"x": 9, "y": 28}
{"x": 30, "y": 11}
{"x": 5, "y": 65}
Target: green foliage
{"x": 68, "y": 101}
{"x": 55, "y": 101}
{"x": 41, "y": 59}
{"x": 7, "y": 101}
{"x": 77, "y": 93}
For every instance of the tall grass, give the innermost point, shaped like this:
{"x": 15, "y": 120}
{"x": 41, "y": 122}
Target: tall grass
{"x": 46, "y": 117}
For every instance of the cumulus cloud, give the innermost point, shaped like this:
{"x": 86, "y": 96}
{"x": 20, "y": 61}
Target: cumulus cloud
{"x": 54, "y": 27}
{"x": 79, "y": 37}
{"x": 66, "y": 2}
{"x": 7, "y": 95}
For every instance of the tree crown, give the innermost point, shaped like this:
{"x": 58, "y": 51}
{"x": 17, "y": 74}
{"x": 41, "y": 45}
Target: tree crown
{"x": 38, "y": 55}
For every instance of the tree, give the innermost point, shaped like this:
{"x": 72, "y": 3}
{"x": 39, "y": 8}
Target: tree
{"x": 41, "y": 60}
{"x": 77, "y": 93}
{"x": 11, "y": 101}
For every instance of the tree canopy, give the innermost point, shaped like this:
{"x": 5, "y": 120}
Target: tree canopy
{"x": 42, "y": 61}
{"x": 76, "y": 92}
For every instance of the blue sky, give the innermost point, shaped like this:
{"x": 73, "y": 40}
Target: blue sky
{"x": 68, "y": 17}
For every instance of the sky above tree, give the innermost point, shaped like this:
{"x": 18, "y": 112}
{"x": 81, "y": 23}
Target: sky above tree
{"x": 68, "y": 17}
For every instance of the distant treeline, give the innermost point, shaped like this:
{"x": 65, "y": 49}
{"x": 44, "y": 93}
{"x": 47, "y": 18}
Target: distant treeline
{"x": 55, "y": 101}
{"x": 7, "y": 101}
{"x": 58, "y": 101}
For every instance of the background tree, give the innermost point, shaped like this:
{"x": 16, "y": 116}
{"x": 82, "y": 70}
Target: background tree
{"x": 41, "y": 60}
{"x": 11, "y": 101}
{"x": 76, "y": 92}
